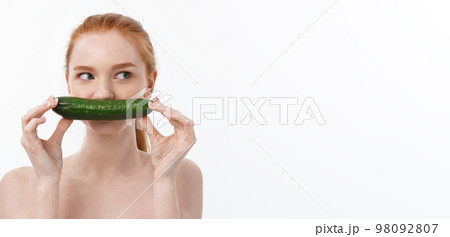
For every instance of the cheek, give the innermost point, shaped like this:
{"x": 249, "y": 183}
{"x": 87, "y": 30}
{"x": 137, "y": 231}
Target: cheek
{"x": 80, "y": 92}
{"x": 136, "y": 90}
{"x": 78, "y": 89}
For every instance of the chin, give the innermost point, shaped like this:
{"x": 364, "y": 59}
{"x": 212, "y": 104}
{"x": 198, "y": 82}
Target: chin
{"x": 106, "y": 127}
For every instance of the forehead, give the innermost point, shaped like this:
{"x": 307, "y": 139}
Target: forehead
{"x": 104, "y": 49}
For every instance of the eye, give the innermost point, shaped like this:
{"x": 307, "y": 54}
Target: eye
{"x": 123, "y": 75}
{"x": 86, "y": 75}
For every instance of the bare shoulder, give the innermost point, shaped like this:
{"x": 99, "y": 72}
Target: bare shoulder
{"x": 190, "y": 169}
{"x": 16, "y": 187}
{"x": 190, "y": 177}
{"x": 17, "y": 177}
{"x": 190, "y": 189}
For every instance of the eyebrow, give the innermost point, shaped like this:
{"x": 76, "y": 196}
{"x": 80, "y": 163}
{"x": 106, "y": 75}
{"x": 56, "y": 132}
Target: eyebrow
{"x": 83, "y": 68}
{"x": 122, "y": 65}
{"x": 114, "y": 67}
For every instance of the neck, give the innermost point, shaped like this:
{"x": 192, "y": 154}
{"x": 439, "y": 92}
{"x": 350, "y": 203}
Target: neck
{"x": 109, "y": 155}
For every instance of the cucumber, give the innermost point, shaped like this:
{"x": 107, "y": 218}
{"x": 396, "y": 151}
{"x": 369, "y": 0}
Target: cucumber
{"x": 77, "y": 108}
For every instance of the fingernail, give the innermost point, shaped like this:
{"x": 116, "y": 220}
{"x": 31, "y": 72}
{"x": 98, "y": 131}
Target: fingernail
{"x": 188, "y": 123}
{"x": 50, "y": 98}
{"x": 52, "y": 102}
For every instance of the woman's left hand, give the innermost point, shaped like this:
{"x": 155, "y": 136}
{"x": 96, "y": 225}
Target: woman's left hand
{"x": 167, "y": 152}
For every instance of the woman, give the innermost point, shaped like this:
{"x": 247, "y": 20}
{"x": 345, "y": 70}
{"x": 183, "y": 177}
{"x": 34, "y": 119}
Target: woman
{"x": 109, "y": 56}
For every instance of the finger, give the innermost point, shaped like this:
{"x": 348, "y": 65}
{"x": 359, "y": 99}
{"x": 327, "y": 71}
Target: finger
{"x": 39, "y": 110}
{"x": 148, "y": 93}
{"x": 189, "y": 127}
{"x": 178, "y": 120}
{"x": 174, "y": 116}
{"x": 146, "y": 124}
{"x": 30, "y": 132}
{"x": 189, "y": 131}
{"x": 60, "y": 130}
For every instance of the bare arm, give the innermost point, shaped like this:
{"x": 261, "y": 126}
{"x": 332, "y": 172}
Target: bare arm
{"x": 17, "y": 193}
{"x": 178, "y": 190}
{"x": 46, "y": 158}
{"x": 8, "y": 186}
{"x": 165, "y": 201}
{"x": 180, "y": 198}
{"x": 46, "y": 203}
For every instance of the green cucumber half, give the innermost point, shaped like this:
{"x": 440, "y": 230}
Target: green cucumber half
{"x": 90, "y": 109}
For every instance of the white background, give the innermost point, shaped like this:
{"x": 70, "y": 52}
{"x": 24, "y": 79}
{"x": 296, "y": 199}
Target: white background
{"x": 224, "y": 227}
{"x": 378, "y": 71}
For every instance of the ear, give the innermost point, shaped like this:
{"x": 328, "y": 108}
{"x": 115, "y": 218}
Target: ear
{"x": 67, "y": 81}
{"x": 151, "y": 81}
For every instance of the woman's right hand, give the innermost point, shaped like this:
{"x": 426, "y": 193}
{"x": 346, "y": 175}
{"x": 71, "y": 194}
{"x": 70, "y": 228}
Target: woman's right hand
{"x": 45, "y": 155}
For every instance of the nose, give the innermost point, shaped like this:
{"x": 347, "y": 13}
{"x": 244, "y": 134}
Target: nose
{"x": 103, "y": 89}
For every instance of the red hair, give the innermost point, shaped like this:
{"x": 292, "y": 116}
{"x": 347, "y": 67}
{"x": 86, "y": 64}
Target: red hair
{"x": 133, "y": 31}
